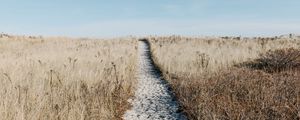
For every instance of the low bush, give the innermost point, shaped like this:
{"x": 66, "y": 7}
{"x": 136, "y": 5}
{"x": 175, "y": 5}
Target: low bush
{"x": 276, "y": 60}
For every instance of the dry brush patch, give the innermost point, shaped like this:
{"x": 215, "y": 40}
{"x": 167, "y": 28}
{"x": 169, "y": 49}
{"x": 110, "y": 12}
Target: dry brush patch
{"x": 62, "y": 78}
{"x": 202, "y": 74}
{"x": 276, "y": 60}
{"x": 241, "y": 94}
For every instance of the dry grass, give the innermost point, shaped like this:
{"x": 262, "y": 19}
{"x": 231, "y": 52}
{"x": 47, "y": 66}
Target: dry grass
{"x": 191, "y": 56}
{"x": 62, "y": 78}
{"x": 202, "y": 74}
{"x": 241, "y": 94}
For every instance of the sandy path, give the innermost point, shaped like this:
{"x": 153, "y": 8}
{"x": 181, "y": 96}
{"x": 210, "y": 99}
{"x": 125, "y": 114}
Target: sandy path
{"x": 153, "y": 99}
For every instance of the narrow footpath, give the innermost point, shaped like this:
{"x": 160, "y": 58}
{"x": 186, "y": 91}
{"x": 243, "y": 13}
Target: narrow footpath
{"x": 153, "y": 99}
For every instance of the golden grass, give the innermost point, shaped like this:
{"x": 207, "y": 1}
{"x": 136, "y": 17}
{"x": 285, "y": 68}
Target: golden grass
{"x": 62, "y": 78}
{"x": 202, "y": 74}
{"x": 179, "y": 55}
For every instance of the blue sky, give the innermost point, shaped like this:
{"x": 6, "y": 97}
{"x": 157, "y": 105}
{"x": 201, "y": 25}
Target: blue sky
{"x": 113, "y": 18}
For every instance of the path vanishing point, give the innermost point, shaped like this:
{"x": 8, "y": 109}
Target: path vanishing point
{"x": 153, "y": 98}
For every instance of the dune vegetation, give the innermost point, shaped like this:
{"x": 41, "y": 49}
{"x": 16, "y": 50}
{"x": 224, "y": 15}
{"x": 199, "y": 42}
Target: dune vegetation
{"x": 64, "y": 78}
{"x": 212, "y": 77}
{"x": 232, "y": 78}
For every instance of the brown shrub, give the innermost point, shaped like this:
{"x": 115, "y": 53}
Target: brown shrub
{"x": 277, "y": 60}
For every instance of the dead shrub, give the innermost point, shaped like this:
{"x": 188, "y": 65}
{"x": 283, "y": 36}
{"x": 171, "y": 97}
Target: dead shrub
{"x": 276, "y": 60}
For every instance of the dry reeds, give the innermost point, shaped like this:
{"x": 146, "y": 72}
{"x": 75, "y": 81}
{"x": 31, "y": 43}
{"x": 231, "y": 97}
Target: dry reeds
{"x": 62, "y": 78}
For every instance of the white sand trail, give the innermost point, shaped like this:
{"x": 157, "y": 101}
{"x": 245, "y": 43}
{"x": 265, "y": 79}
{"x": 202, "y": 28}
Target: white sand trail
{"x": 153, "y": 99}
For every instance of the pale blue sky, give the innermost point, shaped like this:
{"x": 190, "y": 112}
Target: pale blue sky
{"x": 113, "y": 18}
